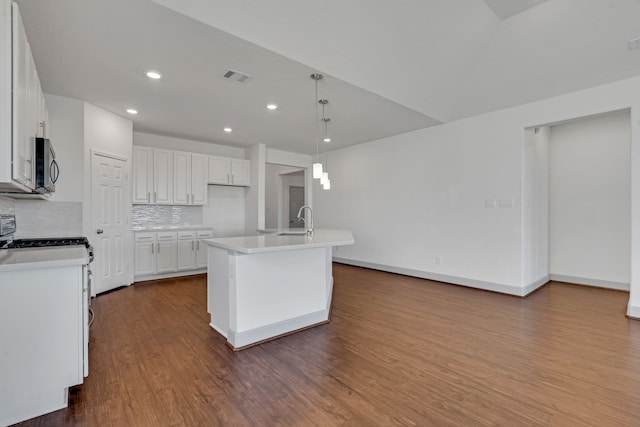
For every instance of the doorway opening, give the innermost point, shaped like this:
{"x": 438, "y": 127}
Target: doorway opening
{"x": 285, "y": 191}
{"x": 577, "y": 202}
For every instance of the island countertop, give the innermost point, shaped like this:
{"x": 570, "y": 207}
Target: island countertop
{"x": 283, "y": 240}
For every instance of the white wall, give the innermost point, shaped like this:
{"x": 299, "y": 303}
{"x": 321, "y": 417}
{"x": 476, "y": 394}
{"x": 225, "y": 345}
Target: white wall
{"x": 255, "y": 195}
{"x": 179, "y": 144}
{"x": 415, "y": 197}
{"x": 66, "y": 131}
{"x": 535, "y": 208}
{"x": 590, "y": 204}
{"x": 225, "y": 210}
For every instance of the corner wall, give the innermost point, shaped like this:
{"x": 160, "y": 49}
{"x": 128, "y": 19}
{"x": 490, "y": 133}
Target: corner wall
{"x": 423, "y": 202}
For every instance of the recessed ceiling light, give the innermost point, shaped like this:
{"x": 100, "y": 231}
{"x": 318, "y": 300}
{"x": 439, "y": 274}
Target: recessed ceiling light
{"x": 327, "y": 140}
{"x": 153, "y": 74}
{"x": 272, "y": 106}
{"x": 132, "y": 111}
{"x": 228, "y": 130}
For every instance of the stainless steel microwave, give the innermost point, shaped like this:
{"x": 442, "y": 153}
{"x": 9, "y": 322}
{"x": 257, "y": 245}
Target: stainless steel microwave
{"x": 47, "y": 170}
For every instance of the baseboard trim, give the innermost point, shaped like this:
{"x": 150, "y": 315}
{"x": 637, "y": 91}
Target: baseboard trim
{"x": 455, "y": 280}
{"x": 633, "y": 312}
{"x": 169, "y": 275}
{"x": 241, "y": 340}
{"x": 607, "y": 284}
{"x": 535, "y": 285}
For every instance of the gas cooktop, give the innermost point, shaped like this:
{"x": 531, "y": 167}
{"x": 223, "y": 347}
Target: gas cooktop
{"x": 48, "y": 241}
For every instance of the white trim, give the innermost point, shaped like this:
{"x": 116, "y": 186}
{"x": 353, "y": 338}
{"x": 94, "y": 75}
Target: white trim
{"x": 169, "y": 275}
{"x": 535, "y": 285}
{"x": 609, "y": 284}
{"x": 109, "y": 155}
{"x": 633, "y": 311}
{"x": 254, "y": 336}
{"x": 462, "y": 281}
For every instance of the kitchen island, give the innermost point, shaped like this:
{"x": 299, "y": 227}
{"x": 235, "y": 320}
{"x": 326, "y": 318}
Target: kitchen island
{"x": 265, "y": 286}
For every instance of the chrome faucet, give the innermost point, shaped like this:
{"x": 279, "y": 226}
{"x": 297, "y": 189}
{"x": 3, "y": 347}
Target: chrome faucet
{"x": 309, "y": 223}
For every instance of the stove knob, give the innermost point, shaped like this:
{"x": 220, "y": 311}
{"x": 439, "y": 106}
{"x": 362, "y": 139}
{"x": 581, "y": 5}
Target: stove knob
{"x": 99, "y": 231}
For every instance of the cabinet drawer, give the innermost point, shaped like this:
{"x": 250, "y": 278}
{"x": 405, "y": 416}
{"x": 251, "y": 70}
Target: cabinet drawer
{"x": 145, "y": 237}
{"x": 166, "y": 235}
{"x": 186, "y": 235}
{"x": 204, "y": 234}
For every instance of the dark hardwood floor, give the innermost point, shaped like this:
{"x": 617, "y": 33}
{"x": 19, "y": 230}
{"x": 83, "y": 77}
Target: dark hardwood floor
{"x": 399, "y": 351}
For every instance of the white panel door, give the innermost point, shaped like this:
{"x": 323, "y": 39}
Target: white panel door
{"x": 145, "y": 258}
{"x": 142, "y": 175}
{"x": 181, "y": 178}
{"x": 110, "y": 210}
{"x": 199, "y": 178}
{"x": 166, "y": 257}
{"x": 219, "y": 170}
{"x": 186, "y": 254}
{"x": 162, "y": 177}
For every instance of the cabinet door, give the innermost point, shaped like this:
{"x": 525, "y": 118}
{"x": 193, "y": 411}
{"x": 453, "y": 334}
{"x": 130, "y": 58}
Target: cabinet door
{"x": 240, "y": 172}
{"x": 181, "y": 178}
{"x": 162, "y": 177}
{"x": 219, "y": 170}
{"x": 201, "y": 254}
{"x": 186, "y": 254}
{"x": 145, "y": 258}
{"x": 22, "y": 170}
{"x": 199, "y": 175}
{"x": 166, "y": 257}
{"x": 202, "y": 248}
{"x": 142, "y": 174}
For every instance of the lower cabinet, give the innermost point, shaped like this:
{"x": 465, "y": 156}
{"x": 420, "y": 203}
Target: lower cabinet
{"x": 166, "y": 252}
{"x": 166, "y": 256}
{"x": 186, "y": 250}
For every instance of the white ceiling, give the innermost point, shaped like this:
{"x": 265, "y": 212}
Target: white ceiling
{"x": 390, "y": 67}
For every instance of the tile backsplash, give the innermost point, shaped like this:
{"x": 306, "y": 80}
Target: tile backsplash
{"x": 45, "y": 218}
{"x": 154, "y": 215}
{"x": 7, "y": 206}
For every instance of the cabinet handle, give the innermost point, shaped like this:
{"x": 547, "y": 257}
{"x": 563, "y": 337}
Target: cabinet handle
{"x": 198, "y": 244}
{"x": 192, "y": 245}
{"x": 158, "y": 247}
{"x": 228, "y": 178}
{"x": 155, "y": 197}
{"x": 149, "y": 196}
{"x": 233, "y": 179}
{"x": 152, "y": 251}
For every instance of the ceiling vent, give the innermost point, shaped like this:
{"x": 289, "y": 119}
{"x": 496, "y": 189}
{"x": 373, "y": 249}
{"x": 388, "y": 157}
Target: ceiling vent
{"x": 236, "y": 77}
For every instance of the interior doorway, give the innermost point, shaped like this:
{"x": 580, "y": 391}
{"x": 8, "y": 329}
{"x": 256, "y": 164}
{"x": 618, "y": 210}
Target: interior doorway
{"x": 577, "y": 202}
{"x": 296, "y": 201}
{"x": 278, "y": 206}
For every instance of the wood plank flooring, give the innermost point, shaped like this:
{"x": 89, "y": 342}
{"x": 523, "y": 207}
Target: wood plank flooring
{"x": 399, "y": 351}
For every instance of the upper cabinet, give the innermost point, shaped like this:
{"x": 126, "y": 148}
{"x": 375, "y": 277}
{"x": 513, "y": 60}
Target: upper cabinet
{"x": 189, "y": 178}
{"x": 152, "y": 176}
{"x": 166, "y": 177}
{"x": 23, "y": 113}
{"x": 228, "y": 171}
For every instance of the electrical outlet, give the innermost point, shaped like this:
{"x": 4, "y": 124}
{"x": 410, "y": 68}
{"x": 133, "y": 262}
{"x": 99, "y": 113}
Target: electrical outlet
{"x": 438, "y": 259}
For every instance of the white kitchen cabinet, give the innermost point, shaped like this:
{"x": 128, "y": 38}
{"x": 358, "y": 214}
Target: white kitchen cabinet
{"x": 228, "y": 171}
{"x": 142, "y": 192}
{"x": 42, "y": 355}
{"x": 23, "y": 113}
{"x": 186, "y": 250}
{"x": 201, "y": 248}
{"x": 169, "y": 253}
{"x": 162, "y": 177}
{"x": 189, "y": 178}
{"x": 144, "y": 254}
{"x": 166, "y": 252}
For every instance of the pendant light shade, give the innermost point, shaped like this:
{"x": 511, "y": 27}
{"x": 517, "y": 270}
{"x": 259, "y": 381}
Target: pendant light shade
{"x": 327, "y": 185}
{"x": 317, "y": 170}
{"x": 324, "y": 178}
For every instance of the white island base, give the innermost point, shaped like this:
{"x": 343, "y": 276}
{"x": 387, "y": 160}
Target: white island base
{"x": 260, "y": 292}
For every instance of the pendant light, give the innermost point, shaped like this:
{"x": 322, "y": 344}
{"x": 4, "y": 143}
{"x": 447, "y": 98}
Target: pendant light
{"x": 325, "y": 181}
{"x": 317, "y": 166}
